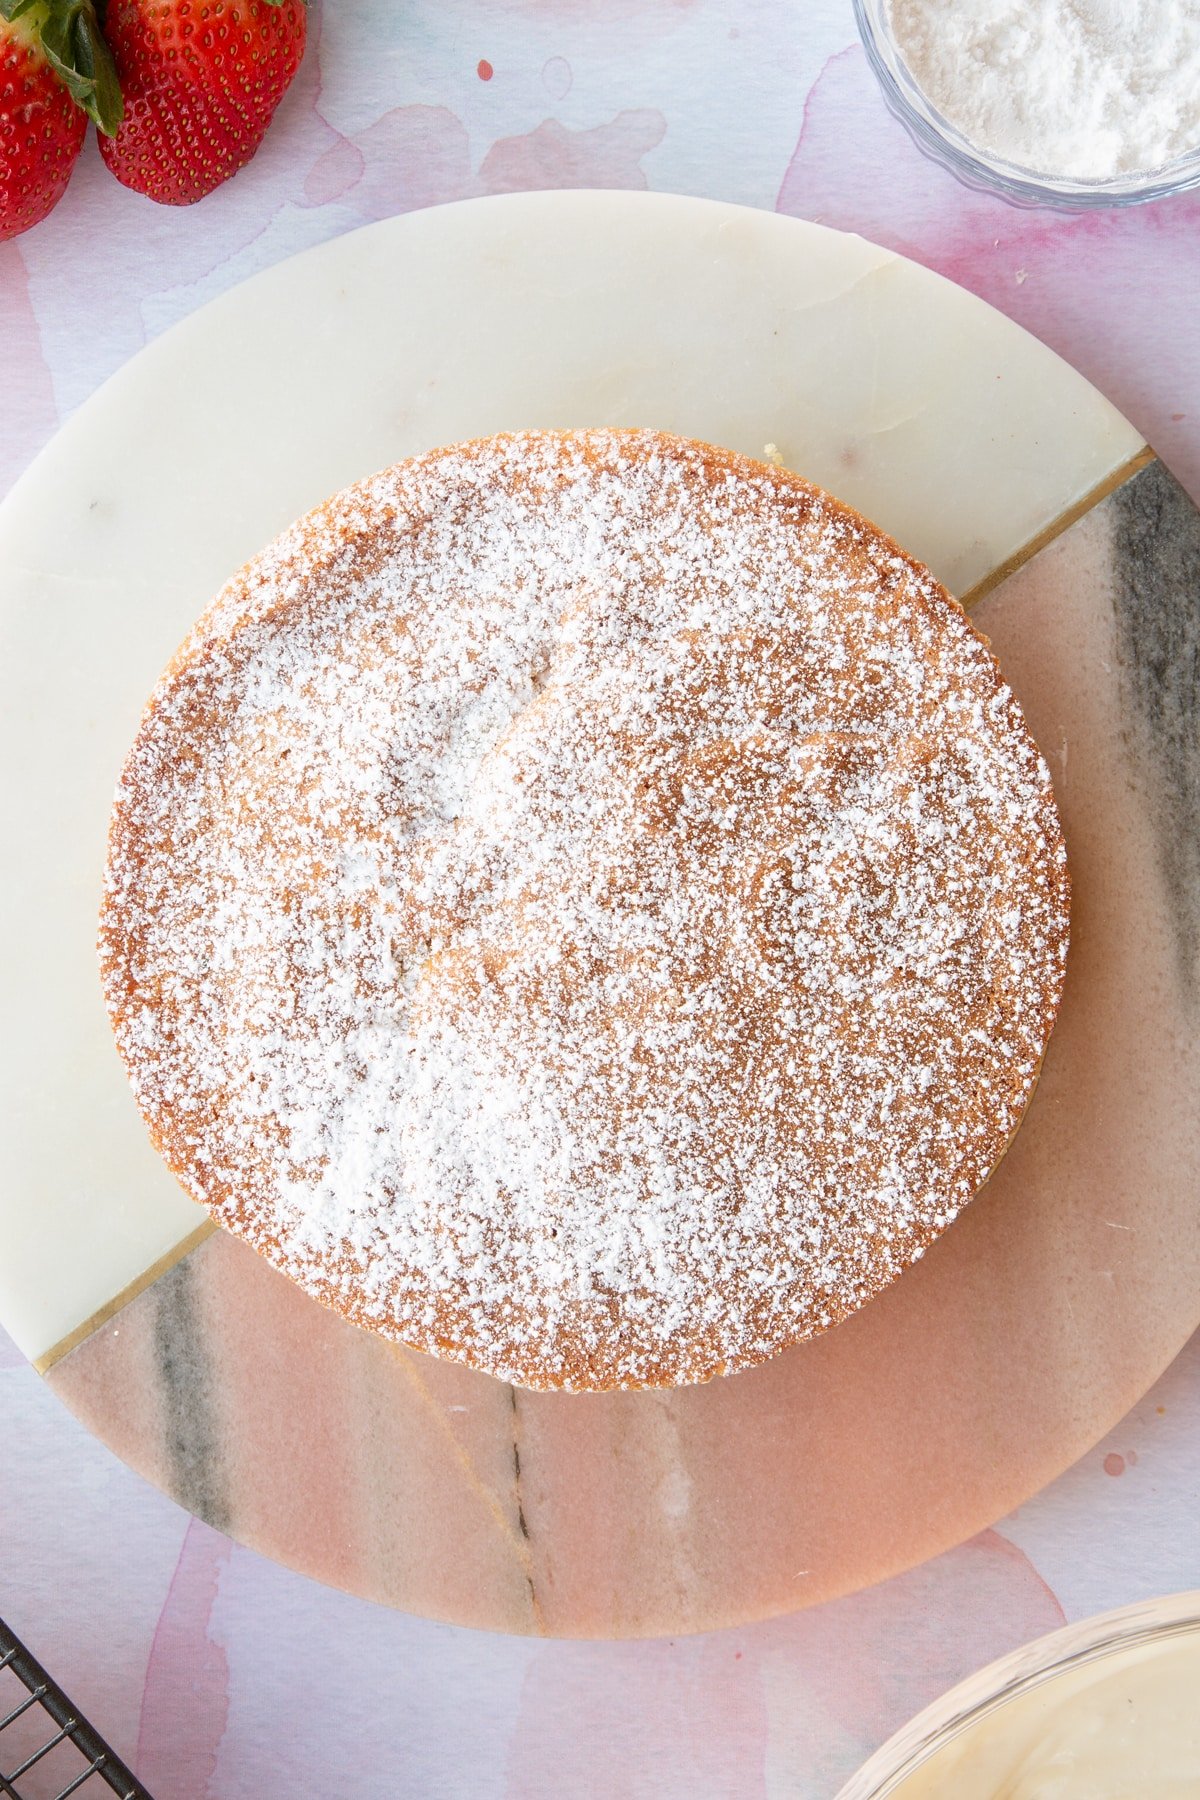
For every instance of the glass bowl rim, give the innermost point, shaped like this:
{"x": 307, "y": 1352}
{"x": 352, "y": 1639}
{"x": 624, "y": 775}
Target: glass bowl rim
{"x": 1033, "y": 1664}
{"x": 978, "y": 168}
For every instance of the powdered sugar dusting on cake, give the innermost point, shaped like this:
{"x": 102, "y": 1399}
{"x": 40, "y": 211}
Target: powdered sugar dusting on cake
{"x": 585, "y": 903}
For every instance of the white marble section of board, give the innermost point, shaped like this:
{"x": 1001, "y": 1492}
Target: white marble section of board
{"x": 940, "y": 419}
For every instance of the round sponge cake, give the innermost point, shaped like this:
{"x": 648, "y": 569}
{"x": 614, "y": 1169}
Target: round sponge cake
{"x": 586, "y": 904}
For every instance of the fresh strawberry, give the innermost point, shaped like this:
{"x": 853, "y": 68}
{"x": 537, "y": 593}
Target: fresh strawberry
{"x": 54, "y": 72}
{"x": 201, "y": 79}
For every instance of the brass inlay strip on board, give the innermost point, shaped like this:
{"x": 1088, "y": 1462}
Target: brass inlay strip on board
{"x": 137, "y": 1286}
{"x": 1056, "y": 527}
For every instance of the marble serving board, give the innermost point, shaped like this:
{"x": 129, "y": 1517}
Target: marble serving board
{"x": 1065, "y": 1287}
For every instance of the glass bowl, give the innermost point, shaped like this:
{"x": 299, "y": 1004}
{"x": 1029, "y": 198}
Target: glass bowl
{"x": 1087, "y": 1642}
{"x": 978, "y": 168}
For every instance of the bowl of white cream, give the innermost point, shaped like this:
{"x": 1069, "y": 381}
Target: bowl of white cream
{"x": 1106, "y": 1709}
{"x": 1068, "y": 103}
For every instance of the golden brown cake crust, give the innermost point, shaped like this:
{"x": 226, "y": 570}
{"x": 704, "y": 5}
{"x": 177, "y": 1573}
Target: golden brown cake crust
{"x": 587, "y": 904}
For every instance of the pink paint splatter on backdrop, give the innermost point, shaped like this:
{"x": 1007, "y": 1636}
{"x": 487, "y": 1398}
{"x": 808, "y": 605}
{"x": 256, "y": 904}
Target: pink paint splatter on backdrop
{"x": 1114, "y": 1464}
{"x": 31, "y": 415}
{"x": 830, "y": 1683}
{"x": 584, "y": 12}
{"x": 687, "y": 1714}
{"x": 872, "y": 1660}
{"x": 420, "y": 156}
{"x": 413, "y": 156}
{"x": 340, "y": 164}
{"x": 557, "y": 76}
{"x": 185, "y": 1703}
{"x": 551, "y": 156}
{"x": 334, "y": 173}
{"x": 1101, "y": 288}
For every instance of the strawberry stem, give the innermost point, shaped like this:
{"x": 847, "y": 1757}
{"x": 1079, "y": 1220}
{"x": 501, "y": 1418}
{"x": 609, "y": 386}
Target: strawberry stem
{"x": 74, "y": 47}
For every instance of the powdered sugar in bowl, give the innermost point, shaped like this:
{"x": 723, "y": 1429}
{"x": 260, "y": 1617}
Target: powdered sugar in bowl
{"x": 1084, "y": 92}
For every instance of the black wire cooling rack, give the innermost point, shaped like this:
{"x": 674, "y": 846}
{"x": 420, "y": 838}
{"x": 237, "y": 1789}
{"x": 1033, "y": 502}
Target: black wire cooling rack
{"x": 45, "y": 1743}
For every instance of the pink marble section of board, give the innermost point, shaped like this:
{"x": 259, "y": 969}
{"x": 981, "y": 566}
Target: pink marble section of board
{"x": 223, "y": 1676}
{"x": 1025, "y": 1333}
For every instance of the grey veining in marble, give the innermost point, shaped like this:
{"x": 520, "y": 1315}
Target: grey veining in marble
{"x": 183, "y": 1363}
{"x": 1156, "y": 553}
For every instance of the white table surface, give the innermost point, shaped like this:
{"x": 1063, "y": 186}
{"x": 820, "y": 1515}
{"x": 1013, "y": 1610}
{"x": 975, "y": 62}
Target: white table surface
{"x": 214, "y": 1672}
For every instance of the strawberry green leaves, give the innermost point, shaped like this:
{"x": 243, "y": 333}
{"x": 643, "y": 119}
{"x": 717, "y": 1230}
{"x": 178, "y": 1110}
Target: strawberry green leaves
{"x": 74, "y": 47}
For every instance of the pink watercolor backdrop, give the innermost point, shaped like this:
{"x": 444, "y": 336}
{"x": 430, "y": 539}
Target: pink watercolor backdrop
{"x": 219, "y": 1674}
